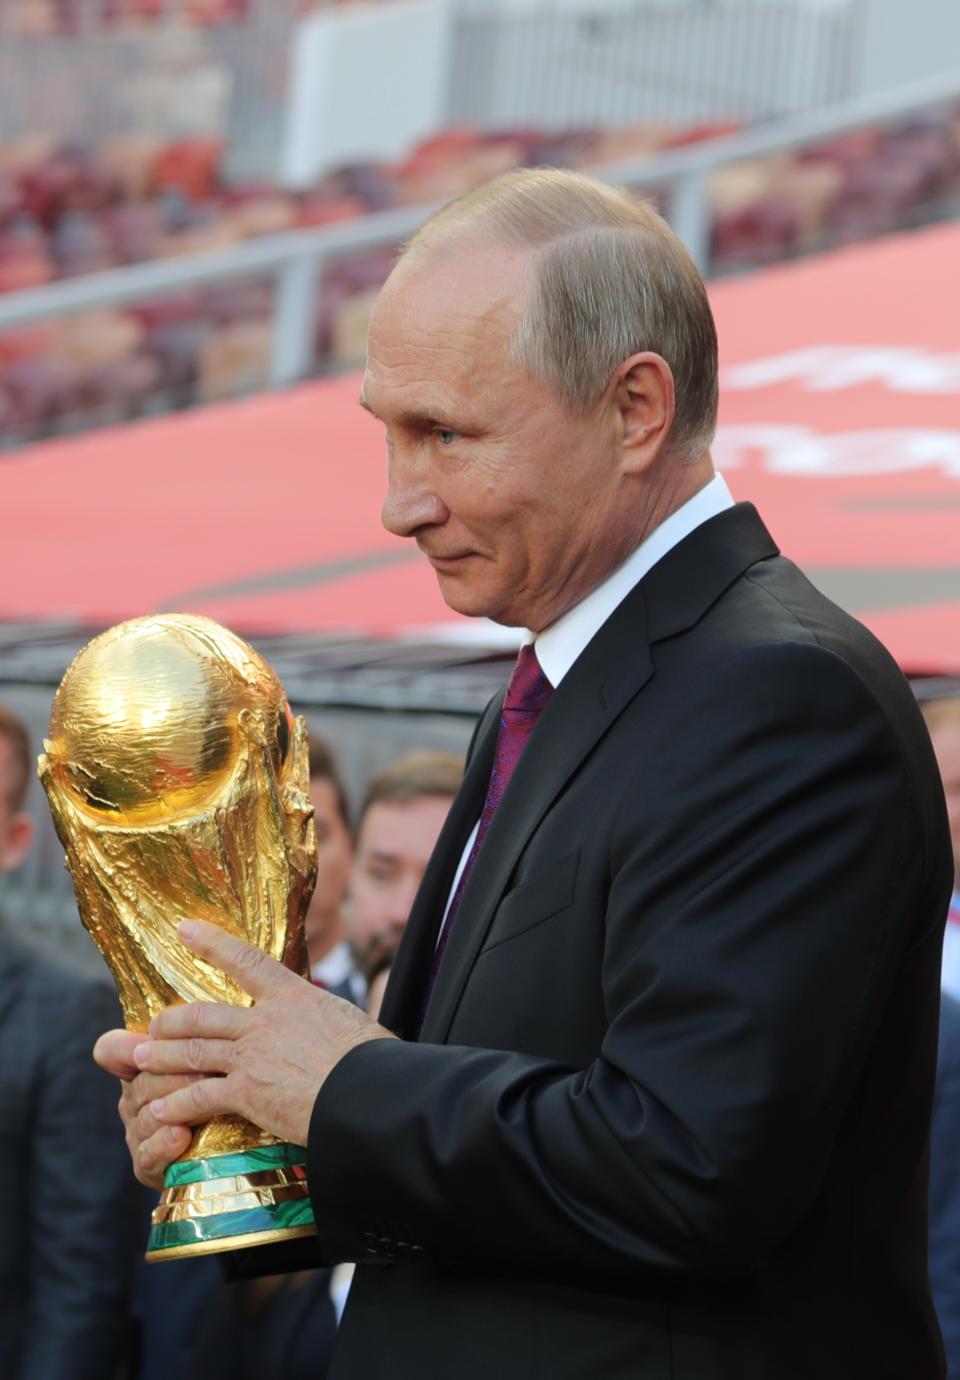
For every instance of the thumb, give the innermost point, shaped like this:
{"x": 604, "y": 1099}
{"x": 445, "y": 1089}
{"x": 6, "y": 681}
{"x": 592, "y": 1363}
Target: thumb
{"x": 114, "y": 1052}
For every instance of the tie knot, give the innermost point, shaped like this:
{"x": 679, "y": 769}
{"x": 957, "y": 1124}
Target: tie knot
{"x": 529, "y": 689}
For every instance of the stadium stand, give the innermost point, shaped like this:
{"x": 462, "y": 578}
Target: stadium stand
{"x": 41, "y": 18}
{"x": 66, "y": 211}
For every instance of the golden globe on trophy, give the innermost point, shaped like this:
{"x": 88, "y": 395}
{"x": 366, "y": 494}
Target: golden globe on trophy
{"x": 178, "y": 782}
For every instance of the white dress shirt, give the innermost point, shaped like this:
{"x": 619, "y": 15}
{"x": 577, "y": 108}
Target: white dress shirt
{"x": 950, "y": 973}
{"x": 337, "y": 968}
{"x": 559, "y": 646}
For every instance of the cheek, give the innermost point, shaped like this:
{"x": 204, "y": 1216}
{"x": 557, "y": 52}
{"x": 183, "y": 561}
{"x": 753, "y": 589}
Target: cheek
{"x": 363, "y": 907}
{"x": 326, "y": 858}
{"x": 485, "y": 499}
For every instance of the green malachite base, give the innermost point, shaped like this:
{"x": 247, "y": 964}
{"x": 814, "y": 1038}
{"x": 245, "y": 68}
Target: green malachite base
{"x": 230, "y": 1201}
{"x": 241, "y": 1162}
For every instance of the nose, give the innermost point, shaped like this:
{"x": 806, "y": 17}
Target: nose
{"x": 406, "y": 895}
{"x": 397, "y": 907}
{"x": 410, "y": 502}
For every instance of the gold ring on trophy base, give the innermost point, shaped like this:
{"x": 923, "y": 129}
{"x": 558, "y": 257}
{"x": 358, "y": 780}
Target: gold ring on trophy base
{"x": 231, "y": 1243}
{"x": 234, "y": 1183}
{"x": 227, "y": 1202}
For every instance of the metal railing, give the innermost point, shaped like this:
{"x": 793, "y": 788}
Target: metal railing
{"x": 295, "y": 260}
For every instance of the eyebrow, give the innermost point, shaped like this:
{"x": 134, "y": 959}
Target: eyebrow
{"x": 413, "y": 417}
{"x": 380, "y": 855}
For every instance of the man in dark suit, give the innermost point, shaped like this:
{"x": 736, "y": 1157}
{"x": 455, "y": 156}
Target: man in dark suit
{"x": 66, "y": 1241}
{"x": 945, "y": 1184}
{"x": 667, "y": 1003}
{"x": 942, "y": 715}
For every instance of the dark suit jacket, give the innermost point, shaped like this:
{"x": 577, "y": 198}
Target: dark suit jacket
{"x": 67, "y": 1192}
{"x": 669, "y": 1113}
{"x": 194, "y": 1327}
{"x": 945, "y": 1185}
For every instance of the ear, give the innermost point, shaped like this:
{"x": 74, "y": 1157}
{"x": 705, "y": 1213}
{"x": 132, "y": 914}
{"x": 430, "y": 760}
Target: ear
{"x": 15, "y": 847}
{"x": 645, "y": 399}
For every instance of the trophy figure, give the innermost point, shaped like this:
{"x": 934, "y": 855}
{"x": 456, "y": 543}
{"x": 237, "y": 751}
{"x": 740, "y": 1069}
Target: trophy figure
{"x": 178, "y": 783}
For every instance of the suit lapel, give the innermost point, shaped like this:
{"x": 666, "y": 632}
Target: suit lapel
{"x": 612, "y": 670}
{"x": 404, "y": 994}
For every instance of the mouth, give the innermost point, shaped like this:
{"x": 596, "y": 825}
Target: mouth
{"x": 381, "y": 951}
{"x": 447, "y": 562}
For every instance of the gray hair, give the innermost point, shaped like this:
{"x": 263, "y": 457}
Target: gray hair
{"x": 609, "y": 279}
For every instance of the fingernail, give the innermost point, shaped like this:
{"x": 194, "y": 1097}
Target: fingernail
{"x": 172, "y": 1135}
{"x": 157, "y": 1106}
{"x": 141, "y": 1054}
{"x": 188, "y": 929}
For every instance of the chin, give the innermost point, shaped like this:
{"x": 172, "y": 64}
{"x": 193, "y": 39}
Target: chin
{"x": 478, "y": 603}
{"x": 462, "y": 599}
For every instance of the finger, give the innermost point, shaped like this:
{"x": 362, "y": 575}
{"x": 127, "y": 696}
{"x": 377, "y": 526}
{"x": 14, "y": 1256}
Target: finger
{"x": 146, "y": 1087}
{"x": 256, "y": 972}
{"x": 114, "y": 1052}
{"x": 153, "y": 1156}
{"x": 199, "y": 1102}
{"x": 145, "y": 1125}
{"x": 204, "y": 1018}
{"x": 195, "y": 1055}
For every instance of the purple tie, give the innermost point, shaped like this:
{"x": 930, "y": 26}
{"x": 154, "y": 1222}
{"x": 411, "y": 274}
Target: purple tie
{"x": 527, "y": 693}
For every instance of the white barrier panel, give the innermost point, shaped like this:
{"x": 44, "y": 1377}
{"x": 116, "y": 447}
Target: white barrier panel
{"x": 366, "y": 83}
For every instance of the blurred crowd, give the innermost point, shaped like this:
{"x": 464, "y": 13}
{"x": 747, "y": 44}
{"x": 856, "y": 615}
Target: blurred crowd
{"x": 67, "y": 211}
{"x": 78, "y": 1301}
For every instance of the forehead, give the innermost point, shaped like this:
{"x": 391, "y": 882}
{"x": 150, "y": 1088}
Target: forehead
{"x": 946, "y": 742}
{"x": 6, "y": 765}
{"x": 444, "y": 324}
{"x": 323, "y": 795}
{"x": 403, "y": 828}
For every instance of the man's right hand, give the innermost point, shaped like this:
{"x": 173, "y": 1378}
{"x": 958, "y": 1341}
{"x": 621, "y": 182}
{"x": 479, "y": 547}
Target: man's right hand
{"x": 152, "y": 1145}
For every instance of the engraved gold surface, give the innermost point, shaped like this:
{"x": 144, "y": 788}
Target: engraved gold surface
{"x": 269, "y": 1179}
{"x": 178, "y": 783}
{"x": 227, "y": 1202}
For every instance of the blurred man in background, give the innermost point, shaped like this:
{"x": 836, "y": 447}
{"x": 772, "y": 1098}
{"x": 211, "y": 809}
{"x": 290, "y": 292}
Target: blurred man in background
{"x": 330, "y": 962}
{"x": 402, "y": 813}
{"x": 66, "y": 1244}
{"x": 943, "y": 720}
{"x": 400, "y": 820}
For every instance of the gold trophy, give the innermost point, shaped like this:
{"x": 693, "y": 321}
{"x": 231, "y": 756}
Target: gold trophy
{"x": 178, "y": 782}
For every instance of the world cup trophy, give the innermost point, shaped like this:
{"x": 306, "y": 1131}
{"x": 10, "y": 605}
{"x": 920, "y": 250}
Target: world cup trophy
{"x": 178, "y": 783}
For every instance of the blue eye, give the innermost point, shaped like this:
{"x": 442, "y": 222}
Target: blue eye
{"x": 445, "y": 436}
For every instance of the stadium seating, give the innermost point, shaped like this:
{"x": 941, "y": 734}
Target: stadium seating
{"x": 66, "y": 211}
{"x": 41, "y": 18}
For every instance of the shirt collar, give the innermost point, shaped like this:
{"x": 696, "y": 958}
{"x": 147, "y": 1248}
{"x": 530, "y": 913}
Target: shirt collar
{"x": 559, "y": 645}
{"x": 335, "y": 966}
